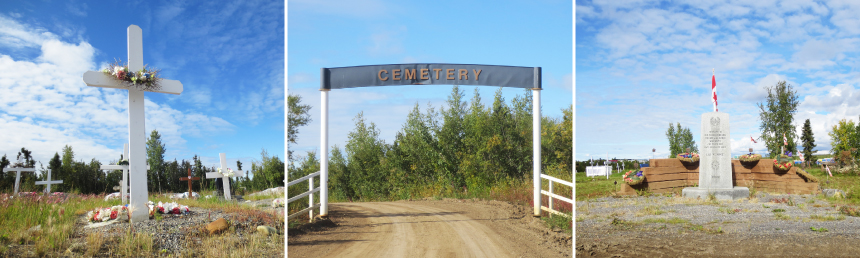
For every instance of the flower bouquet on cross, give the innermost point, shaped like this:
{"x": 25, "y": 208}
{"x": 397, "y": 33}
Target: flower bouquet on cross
{"x": 633, "y": 177}
{"x": 226, "y": 172}
{"x": 146, "y": 78}
{"x": 783, "y": 163}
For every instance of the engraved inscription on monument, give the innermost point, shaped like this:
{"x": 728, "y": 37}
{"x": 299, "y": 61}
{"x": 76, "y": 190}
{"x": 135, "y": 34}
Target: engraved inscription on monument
{"x": 716, "y": 152}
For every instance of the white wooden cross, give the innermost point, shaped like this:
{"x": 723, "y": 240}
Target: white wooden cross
{"x": 136, "y": 121}
{"x": 224, "y": 179}
{"x": 18, "y": 171}
{"x": 48, "y": 182}
{"x": 124, "y": 168}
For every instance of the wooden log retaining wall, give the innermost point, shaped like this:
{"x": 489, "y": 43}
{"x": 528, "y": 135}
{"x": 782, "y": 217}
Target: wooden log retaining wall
{"x": 667, "y": 175}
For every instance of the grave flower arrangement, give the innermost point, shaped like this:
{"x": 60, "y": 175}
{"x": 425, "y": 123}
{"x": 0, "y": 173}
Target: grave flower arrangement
{"x": 278, "y": 202}
{"x": 783, "y": 163}
{"x": 226, "y": 173}
{"x": 749, "y": 159}
{"x": 688, "y": 158}
{"x": 105, "y": 214}
{"x": 146, "y": 78}
{"x": 633, "y": 177}
{"x": 167, "y": 208}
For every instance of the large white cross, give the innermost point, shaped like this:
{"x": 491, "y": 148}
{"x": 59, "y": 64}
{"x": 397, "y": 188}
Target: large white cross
{"x": 225, "y": 180}
{"x": 48, "y": 182}
{"x": 136, "y": 123}
{"x": 18, "y": 171}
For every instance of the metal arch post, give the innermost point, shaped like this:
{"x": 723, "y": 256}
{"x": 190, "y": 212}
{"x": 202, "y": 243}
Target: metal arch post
{"x": 536, "y": 131}
{"x": 324, "y": 154}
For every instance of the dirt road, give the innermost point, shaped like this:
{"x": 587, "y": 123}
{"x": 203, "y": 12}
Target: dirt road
{"x": 431, "y": 228}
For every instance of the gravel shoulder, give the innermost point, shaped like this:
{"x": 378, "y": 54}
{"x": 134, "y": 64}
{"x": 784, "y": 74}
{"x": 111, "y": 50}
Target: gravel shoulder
{"x": 430, "y": 228}
{"x": 762, "y": 226}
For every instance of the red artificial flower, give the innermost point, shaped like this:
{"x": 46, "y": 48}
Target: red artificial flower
{"x": 113, "y": 214}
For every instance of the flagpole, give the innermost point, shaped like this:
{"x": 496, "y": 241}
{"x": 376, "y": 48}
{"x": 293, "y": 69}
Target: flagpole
{"x": 714, "y": 88}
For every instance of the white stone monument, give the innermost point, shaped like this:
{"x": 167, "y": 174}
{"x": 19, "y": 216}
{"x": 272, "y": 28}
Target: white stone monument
{"x": 18, "y": 171}
{"x": 224, "y": 179}
{"x": 48, "y": 182}
{"x": 715, "y": 164}
{"x": 136, "y": 121}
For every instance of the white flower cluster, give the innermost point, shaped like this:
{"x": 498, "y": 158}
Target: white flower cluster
{"x": 167, "y": 208}
{"x": 228, "y": 173}
{"x": 278, "y": 202}
{"x": 105, "y": 214}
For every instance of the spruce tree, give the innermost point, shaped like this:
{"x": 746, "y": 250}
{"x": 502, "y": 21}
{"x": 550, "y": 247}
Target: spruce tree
{"x": 808, "y": 140}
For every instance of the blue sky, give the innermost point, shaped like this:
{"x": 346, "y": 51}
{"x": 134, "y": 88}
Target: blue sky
{"x": 350, "y": 33}
{"x": 644, "y": 64}
{"x": 229, "y": 57}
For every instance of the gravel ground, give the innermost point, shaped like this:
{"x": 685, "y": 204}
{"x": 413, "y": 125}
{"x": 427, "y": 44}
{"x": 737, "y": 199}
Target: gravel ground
{"x": 176, "y": 232}
{"x": 688, "y": 225}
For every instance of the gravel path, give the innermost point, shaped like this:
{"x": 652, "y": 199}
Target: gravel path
{"x": 611, "y": 226}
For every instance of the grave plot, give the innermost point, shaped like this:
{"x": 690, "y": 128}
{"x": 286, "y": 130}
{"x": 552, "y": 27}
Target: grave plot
{"x": 668, "y": 175}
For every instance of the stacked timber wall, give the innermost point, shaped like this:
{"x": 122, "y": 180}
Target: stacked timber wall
{"x": 668, "y": 175}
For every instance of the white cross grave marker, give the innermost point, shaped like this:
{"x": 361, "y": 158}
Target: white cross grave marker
{"x": 136, "y": 120}
{"x": 224, "y": 179}
{"x": 48, "y": 182}
{"x": 124, "y": 183}
{"x": 18, "y": 171}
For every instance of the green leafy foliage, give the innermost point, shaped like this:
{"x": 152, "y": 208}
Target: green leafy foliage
{"x": 465, "y": 149}
{"x": 297, "y": 115}
{"x": 680, "y": 138}
{"x": 845, "y": 140}
{"x": 777, "y": 118}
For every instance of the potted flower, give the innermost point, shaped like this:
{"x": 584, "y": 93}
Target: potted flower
{"x": 633, "y": 177}
{"x": 783, "y": 163}
{"x": 689, "y": 158}
{"x": 749, "y": 160}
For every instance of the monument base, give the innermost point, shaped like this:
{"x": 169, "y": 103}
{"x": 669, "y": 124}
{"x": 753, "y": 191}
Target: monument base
{"x": 720, "y": 193}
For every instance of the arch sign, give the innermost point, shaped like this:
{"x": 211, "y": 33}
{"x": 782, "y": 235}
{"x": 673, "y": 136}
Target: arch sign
{"x": 429, "y": 74}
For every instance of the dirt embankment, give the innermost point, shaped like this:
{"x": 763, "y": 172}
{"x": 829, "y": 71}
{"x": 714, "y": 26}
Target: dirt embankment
{"x": 430, "y": 228}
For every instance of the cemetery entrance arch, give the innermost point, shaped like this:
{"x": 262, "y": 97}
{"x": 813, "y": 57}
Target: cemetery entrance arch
{"x": 429, "y": 74}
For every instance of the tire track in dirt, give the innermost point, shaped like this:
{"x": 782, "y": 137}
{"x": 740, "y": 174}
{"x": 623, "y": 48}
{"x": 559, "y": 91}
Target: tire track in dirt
{"x": 427, "y": 229}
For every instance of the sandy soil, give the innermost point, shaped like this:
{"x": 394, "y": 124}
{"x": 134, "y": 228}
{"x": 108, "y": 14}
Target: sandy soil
{"x": 430, "y": 228}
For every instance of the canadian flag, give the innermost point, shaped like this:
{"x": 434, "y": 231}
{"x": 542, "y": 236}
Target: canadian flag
{"x": 714, "y": 91}
{"x": 753, "y": 140}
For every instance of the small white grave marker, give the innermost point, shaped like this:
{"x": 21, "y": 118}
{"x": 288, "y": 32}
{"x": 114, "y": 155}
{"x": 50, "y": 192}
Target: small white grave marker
{"x": 124, "y": 192}
{"x": 136, "y": 120}
{"x": 18, "y": 171}
{"x": 224, "y": 179}
{"x": 48, "y": 182}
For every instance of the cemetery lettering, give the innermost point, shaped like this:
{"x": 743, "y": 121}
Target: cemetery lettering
{"x": 424, "y": 73}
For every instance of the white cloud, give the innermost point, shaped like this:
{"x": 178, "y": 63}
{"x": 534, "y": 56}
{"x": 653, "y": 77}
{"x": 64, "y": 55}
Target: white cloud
{"x": 649, "y": 64}
{"x": 46, "y": 105}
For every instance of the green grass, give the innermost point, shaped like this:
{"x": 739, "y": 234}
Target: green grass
{"x": 827, "y": 217}
{"x": 847, "y": 182}
{"x": 596, "y": 187}
{"x": 818, "y": 229}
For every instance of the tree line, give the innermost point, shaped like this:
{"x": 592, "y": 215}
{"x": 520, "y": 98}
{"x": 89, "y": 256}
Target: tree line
{"x": 465, "y": 147}
{"x": 86, "y": 177}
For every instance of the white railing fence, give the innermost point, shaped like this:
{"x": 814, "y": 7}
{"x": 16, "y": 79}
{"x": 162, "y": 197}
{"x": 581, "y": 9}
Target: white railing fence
{"x": 552, "y": 195}
{"x": 310, "y": 193}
